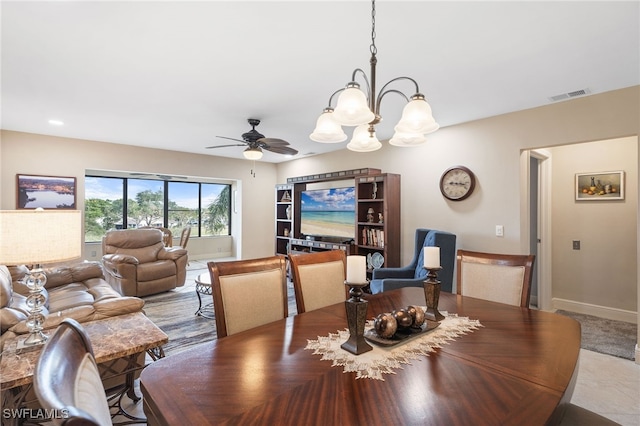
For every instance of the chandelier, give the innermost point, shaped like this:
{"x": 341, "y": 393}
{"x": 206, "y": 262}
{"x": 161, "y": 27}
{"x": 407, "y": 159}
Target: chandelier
{"x": 362, "y": 109}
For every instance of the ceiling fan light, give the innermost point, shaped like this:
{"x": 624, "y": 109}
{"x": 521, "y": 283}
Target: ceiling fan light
{"x": 407, "y": 139}
{"x": 252, "y": 153}
{"x": 352, "y": 108}
{"x": 327, "y": 130}
{"x": 417, "y": 117}
{"x": 363, "y": 140}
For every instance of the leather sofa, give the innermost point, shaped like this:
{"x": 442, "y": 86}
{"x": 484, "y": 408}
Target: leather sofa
{"x": 137, "y": 263}
{"x": 77, "y": 291}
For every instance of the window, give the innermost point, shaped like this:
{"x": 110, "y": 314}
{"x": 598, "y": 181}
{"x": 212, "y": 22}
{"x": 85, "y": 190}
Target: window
{"x": 205, "y": 207}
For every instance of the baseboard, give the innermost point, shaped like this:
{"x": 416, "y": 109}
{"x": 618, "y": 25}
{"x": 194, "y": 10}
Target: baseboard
{"x": 595, "y": 310}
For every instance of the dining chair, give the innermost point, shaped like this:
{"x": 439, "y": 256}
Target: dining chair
{"x": 503, "y": 278}
{"x": 167, "y": 236}
{"x": 248, "y": 293}
{"x": 66, "y": 378}
{"x": 184, "y": 236}
{"x": 318, "y": 278}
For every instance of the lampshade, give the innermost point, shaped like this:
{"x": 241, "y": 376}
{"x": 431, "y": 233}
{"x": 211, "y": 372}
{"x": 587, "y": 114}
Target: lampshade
{"x": 39, "y": 236}
{"x": 352, "y": 108}
{"x": 407, "y": 139}
{"x": 417, "y": 117}
{"x": 327, "y": 129}
{"x": 363, "y": 141}
{"x": 253, "y": 153}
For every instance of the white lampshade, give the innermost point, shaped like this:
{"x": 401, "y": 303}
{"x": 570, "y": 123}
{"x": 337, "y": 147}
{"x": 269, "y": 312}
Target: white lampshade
{"x": 352, "y": 108}
{"x": 40, "y": 236}
{"x": 407, "y": 139}
{"x": 417, "y": 117}
{"x": 363, "y": 141}
{"x": 327, "y": 130}
{"x": 252, "y": 153}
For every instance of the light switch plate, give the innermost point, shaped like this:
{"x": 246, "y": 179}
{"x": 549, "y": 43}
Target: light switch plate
{"x": 499, "y": 231}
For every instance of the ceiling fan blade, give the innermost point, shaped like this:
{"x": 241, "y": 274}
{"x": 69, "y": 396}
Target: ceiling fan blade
{"x": 282, "y": 150}
{"x": 232, "y": 139}
{"x": 224, "y": 146}
{"x": 273, "y": 141}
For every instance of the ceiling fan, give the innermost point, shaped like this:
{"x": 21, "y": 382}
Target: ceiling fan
{"x": 256, "y": 142}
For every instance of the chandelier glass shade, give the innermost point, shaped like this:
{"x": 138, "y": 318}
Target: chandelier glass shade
{"x": 253, "y": 153}
{"x": 327, "y": 129}
{"x": 356, "y": 107}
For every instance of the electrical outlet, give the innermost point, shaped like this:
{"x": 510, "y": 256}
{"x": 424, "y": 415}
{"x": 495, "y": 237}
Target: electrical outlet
{"x": 576, "y": 244}
{"x": 499, "y": 231}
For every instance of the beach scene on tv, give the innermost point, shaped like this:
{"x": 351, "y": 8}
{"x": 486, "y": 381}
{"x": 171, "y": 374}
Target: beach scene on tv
{"x": 328, "y": 212}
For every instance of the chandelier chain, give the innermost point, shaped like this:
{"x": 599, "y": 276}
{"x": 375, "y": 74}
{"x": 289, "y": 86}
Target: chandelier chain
{"x": 373, "y": 47}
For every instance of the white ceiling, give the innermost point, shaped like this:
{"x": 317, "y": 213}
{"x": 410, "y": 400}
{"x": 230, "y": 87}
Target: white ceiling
{"x": 174, "y": 75}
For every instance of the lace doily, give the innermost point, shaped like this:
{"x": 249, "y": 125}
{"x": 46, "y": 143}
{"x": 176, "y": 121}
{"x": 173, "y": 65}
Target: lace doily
{"x": 385, "y": 360}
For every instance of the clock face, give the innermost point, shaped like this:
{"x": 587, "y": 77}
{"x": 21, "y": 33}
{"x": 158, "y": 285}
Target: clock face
{"x": 457, "y": 183}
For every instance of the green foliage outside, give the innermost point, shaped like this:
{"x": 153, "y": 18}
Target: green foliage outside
{"x": 147, "y": 210}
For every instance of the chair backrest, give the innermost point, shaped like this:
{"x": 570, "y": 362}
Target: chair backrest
{"x": 318, "y": 278}
{"x": 66, "y": 378}
{"x": 184, "y": 236}
{"x": 248, "y": 293}
{"x": 143, "y": 244}
{"x": 503, "y": 278}
{"x": 167, "y": 236}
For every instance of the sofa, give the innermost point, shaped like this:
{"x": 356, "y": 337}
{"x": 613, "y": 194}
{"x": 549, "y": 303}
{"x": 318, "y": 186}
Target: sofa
{"x": 77, "y": 291}
{"x": 137, "y": 263}
{"x": 414, "y": 274}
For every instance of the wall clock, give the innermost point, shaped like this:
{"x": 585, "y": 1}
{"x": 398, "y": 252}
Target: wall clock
{"x": 457, "y": 183}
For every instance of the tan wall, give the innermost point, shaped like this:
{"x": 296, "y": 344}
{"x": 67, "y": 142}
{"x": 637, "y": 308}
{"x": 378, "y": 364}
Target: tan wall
{"x": 47, "y": 155}
{"x": 491, "y": 148}
{"x": 608, "y": 256}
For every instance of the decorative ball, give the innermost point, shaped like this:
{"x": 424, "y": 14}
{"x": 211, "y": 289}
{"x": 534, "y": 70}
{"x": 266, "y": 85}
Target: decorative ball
{"x": 417, "y": 315}
{"x": 403, "y": 318}
{"x": 385, "y": 325}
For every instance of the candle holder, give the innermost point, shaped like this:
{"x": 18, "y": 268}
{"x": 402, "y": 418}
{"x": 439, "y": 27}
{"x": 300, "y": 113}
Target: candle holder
{"x": 356, "y": 317}
{"x": 432, "y": 294}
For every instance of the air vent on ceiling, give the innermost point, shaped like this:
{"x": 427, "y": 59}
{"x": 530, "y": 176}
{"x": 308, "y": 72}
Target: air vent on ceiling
{"x": 574, "y": 94}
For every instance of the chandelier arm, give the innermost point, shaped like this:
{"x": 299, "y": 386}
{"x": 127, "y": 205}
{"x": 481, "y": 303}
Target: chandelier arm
{"x": 331, "y": 97}
{"x": 384, "y": 92}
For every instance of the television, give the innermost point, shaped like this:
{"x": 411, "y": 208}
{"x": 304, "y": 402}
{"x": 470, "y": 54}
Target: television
{"x": 328, "y": 213}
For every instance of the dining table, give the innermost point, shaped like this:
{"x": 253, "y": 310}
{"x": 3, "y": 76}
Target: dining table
{"x": 518, "y": 366}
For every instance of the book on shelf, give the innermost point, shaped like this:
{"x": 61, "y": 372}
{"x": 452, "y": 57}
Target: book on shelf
{"x": 372, "y": 237}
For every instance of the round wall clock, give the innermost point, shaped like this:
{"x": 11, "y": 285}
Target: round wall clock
{"x": 457, "y": 183}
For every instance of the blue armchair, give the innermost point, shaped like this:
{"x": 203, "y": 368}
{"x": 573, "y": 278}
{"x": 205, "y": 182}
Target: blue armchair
{"x": 413, "y": 275}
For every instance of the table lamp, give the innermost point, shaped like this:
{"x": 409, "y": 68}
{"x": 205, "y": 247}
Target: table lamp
{"x": 33, "y": 238}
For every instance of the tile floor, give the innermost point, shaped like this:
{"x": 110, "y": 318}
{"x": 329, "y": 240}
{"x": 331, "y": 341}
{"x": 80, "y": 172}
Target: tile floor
{"x": 606, "y": 385}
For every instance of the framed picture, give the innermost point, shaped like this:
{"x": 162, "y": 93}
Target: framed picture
{"x": 600, "y": 186}
{"x": 48, "y": 192}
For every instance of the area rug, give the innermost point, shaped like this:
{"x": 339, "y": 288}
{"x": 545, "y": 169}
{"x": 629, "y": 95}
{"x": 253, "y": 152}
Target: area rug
{"x": 617, "y": 338}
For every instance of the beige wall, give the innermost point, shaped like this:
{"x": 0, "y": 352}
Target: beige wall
{"x": 491, "y": 148}
{"x": 608, "y": 256}
{"x": 46, "y": 155}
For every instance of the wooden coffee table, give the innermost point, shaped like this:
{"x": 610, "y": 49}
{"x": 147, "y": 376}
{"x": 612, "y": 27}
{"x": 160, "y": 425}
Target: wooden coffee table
{"x": 203, "y": 287}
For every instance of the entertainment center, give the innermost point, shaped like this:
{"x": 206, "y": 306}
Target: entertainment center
{"x": 357, "y": 211}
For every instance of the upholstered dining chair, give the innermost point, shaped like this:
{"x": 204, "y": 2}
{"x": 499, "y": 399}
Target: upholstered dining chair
{"x": 503, "y": 278}
{"x": 66, "y": 378}
{"x": 248, "y": 293}
{"x": 318, "y": 278}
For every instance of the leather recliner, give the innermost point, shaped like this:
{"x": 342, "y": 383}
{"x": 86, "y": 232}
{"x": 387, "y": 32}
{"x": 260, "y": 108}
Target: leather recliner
{"x": 137, "y": 263}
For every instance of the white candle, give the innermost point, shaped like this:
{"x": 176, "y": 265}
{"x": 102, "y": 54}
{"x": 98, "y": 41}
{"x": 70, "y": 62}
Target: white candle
{"x": 431, "y": 257}
{"x": 356, "y": 269}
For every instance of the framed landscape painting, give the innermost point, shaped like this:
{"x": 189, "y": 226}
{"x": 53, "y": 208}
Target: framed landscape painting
{"x": 601, "y": 186}
{"x": 48, "y": 192}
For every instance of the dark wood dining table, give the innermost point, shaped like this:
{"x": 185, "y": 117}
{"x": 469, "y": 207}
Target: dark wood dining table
{"x": 518, "y": 368}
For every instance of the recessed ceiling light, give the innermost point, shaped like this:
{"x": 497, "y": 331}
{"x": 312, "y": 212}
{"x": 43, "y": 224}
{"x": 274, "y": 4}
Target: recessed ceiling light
{"x": 56, "y": 123}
